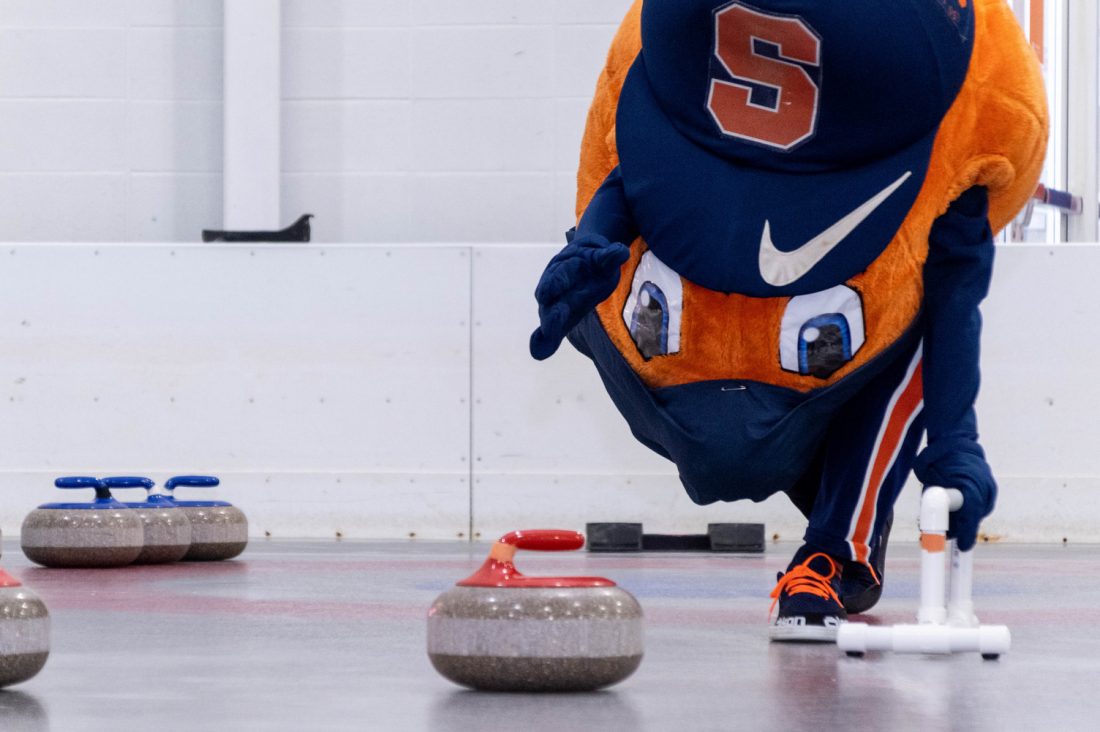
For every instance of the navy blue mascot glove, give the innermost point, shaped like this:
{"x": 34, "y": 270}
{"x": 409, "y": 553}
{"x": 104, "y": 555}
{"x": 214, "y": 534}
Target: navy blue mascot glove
{"x": 577, "y": 279}
{"x": 960, "y": 464}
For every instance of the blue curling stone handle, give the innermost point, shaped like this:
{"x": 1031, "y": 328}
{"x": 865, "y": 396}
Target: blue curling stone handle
{"x": 128, "y": 481}
{"x": 103, "y": 497}
{"x": 78, "y": 481}
{"x": 192, "y": 481}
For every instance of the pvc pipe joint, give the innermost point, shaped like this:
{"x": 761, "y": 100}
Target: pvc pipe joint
{"x": 936, "y": 506}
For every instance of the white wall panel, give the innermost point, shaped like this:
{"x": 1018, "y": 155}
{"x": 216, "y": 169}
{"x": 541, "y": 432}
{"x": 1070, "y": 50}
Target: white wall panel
{"x": 1046, "y": 508}
{"x": 345, "y": 367}
{"x": 355, "y": 504}
{"x": 1040, "y": 396}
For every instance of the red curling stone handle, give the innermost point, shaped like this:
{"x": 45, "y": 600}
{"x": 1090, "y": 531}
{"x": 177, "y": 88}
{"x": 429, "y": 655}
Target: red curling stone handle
{"x": 499, "y": 571}
{"x": 544, "y": 540}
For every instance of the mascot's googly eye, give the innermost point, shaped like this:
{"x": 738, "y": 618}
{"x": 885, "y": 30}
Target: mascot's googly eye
{"x": 821, "y": 331}
{"x": 652, "y": 312}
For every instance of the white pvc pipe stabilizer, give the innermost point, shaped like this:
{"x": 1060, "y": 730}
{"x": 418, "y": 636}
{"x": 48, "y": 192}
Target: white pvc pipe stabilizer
{"x": 941, "y": 628}
{"x": 989, "y": 640}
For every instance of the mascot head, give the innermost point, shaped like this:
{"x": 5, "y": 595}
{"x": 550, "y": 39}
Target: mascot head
{"x": 787, "y": 158}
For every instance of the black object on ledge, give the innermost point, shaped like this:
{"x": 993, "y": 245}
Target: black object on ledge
{"x": 298, "y": 231}
{"x": 629, "y": 537}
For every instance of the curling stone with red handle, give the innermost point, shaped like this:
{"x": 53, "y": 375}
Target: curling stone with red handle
{"x": 499, "y": 630}
{"x": 24, "y": 632}
{"x": 103, "y": 533}
{"x": 219, "y": 530}
{"x": 167, "y": 528}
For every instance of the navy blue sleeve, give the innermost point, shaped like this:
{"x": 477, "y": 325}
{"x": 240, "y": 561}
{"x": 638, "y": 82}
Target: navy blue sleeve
{"x": 956, "y": 280}
{"x": 608, "y": 214}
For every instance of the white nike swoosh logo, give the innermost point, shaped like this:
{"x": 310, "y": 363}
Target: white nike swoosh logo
{"x": 782, "y": 268}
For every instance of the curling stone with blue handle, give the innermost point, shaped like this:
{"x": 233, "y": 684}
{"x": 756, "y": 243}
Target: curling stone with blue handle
{"x": 167, "y": 528}
{"x": 219, "y": 530}
{"x": 499, "y": 630}
{"x": 24, "y": 632}
{"x": 103, "y": 533}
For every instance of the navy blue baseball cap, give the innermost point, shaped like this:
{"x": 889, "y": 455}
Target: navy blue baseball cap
{"x": 774, "y": 147}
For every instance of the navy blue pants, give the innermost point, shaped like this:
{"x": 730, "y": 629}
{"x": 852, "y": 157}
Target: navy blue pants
{"x": 841, "y": 453}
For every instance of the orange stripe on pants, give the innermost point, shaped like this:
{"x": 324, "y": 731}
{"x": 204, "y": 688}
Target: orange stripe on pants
{"x": 904, "y": 409}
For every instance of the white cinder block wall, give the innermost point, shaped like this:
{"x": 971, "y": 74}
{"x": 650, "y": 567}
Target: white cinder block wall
{"x": 403, "y": 120}
{"x": 110, "y": 119}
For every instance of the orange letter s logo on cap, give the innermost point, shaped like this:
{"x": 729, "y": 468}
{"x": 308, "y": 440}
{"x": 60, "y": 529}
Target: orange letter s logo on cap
{"x": 792, "y": 118}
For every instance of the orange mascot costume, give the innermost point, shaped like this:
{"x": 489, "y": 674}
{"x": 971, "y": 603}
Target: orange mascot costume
{"x": 786, "y": 212}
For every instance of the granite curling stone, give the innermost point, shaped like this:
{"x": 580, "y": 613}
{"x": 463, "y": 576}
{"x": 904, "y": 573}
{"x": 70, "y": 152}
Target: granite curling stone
{"x": 103, "y": 533}
{"x": 219, "y": 530}
{"x": 499, "y": 630}
{"x": 24, "y": 632}
{"x": 167, "y": 530}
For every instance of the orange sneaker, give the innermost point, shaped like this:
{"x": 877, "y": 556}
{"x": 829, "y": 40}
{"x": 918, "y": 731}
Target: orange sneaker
{"x": 808, "y": 599}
